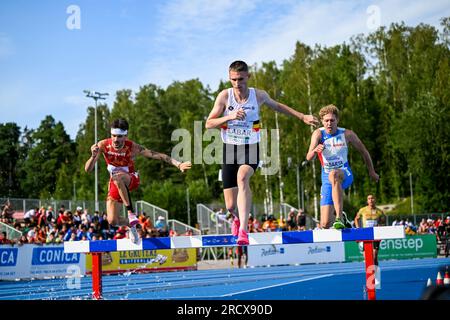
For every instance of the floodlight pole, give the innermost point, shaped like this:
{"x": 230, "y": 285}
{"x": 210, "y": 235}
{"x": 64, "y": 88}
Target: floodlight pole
{"x": 96, "y": 96}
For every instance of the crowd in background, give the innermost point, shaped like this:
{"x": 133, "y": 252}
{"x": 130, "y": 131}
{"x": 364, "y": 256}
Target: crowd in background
{"x": 47, "y": 226}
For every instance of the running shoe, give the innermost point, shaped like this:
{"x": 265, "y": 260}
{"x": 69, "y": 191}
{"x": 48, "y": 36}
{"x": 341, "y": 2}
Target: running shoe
{"x": 243, "y": 238}
{"x": 235, "y": 226}
{"x": 338, "y": 224}
{"x": 133, "y": 220}
{"x": 133, "y": 234}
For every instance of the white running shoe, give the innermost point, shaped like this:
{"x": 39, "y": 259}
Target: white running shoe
{"x": 133, "y": 220}
{"x": 133, "y": 234}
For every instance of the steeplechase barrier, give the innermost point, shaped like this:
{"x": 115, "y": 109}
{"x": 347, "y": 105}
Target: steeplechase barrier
{"x": 366, "y": 235}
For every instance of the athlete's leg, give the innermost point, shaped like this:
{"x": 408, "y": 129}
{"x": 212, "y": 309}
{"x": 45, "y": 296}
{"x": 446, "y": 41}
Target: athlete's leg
{"x": 112, "y": 211}
{"x": 326, "y": 216}
{"x": 336, "y": 177}
{"x": 122, "y": 181}
{"x": 230, "y": 196}
{"x": 244, "y": 198}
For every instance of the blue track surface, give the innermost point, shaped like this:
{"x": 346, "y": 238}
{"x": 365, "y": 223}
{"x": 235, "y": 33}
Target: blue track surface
{"x": 401, "y": 280}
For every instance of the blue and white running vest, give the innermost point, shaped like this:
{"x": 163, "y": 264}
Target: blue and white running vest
{"x": 334, "y": 154}
{"x": 246, "y": 131}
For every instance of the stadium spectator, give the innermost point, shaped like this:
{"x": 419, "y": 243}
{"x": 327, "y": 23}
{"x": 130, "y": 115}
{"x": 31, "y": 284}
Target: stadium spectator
{"x": 7, "y": 212}
{"x": 301, "y": 220}
{"x": 270, "y": 225}
{"x": 161, "y": 227}
{"x": 291, "y": 220}
{"x": 30, "y": 214}
{"x": 4, "y": 239}
{"x": 76, "y": 217}
{"x": 423, "y": 227}
{"x": 86, "y": 218}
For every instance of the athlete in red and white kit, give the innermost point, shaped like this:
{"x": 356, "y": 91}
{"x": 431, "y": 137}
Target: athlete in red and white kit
{"x": 119, "y": 154}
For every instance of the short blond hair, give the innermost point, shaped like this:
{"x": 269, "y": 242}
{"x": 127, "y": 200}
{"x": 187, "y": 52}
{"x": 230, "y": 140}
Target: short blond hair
{"x": 331, "y": 108}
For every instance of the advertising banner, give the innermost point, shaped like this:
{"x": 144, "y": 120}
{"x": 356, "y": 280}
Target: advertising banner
{"x": 39, "y": 261}
{"x": 296, "y": 254}
{"x": 146, "y": 260}
{"x": 417, "y": 246}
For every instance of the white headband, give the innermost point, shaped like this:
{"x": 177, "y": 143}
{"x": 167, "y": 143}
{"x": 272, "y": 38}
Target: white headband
{"x": 118, "y": 131}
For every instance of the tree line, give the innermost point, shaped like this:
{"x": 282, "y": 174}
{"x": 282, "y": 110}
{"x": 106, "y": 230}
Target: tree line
{"x": 391, "y": 86}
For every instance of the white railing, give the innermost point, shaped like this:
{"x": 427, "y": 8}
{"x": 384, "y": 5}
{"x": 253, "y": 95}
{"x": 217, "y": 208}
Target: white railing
{"x": 210, "y": 223}
{"x": 11, "y": 233}
{"x": 181, "y": 228}
{"x": 151, "y": 211}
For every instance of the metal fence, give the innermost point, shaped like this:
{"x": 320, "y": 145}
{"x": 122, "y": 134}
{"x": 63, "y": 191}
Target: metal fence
{"x": 180, "y": 228}
{"x": 21, "y": 206}
{"x": 210, "y": 223}
{"x": 151, "y": 211}
{"x": 11, "y": 233}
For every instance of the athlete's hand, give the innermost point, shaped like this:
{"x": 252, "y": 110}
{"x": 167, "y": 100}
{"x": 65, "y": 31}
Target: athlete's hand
{"x": 374, "y": 176}
{"x": 239, "y": 114}
{"x": 94, "y": 150}
{"x": 310, "y": 120}
{"x": 319, "y": 148}
{"x": 185, "y": 166}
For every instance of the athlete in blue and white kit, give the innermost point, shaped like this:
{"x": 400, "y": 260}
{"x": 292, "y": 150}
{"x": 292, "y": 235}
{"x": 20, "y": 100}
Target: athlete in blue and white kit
{"x": 236, "y": 112}
{"x": 330, "y": 143}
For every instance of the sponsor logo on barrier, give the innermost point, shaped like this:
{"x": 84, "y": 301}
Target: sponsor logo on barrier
{"x": 8, "y": 257}
{"x": 316, "y": 249}
{"x": 45, "y": 256}
{"x": 412, "y": 243}
{"x": 272, "y": 251}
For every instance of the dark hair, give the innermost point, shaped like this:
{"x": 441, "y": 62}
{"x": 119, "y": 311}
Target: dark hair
{"x": 238, "y": 66}
{"x": 120, "y": 124}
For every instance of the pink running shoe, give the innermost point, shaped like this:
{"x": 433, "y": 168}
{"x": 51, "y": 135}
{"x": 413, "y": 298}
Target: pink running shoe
{"x": 133, "y": 220}
{"x": 243, "y": 238}
{"x": 235, "y": 226}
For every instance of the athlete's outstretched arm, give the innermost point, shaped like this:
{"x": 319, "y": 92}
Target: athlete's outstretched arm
{"x": 357, "y": 143}
{"x": 96, "y": 149}
{"x": 315, "y": 145}
{"x": 264, "y": 98}
{"x": 214, "y": 119}
{"x": 182, "y": 166}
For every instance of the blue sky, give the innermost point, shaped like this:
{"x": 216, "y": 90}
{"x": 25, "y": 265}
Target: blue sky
{"x": 123, "y": 44}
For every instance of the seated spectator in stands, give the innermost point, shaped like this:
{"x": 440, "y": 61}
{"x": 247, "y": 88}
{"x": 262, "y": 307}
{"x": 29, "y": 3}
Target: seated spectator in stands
{"x": 282, "y": 225}
{"x": 23, "y": 239}
{"x": 431, "y": 228}
{"x": 173, "y": 233}
{"x": 257, "y": 226}
{"x": 64, "y": 218}
{"x": 161, "y": 227}
{"x": 60, "y": 237}
{"x": 188, "y": 232}
{"x": 90, "y": 233}
{"x": 32, "y": 234}
{"x": 82, "y": 231}
{"x": 86, "y": 218}
{"x": 41, "y": 217}
{"x": 7, "y": 212}
{"x": 423, "y": 227}
{"x": 30, "y": 214}
{"x": 145, "y": 221}
{"x": 301, "y": 220}
{"x": 50, "y": 215}
{"x": 96, "y": 217}
{"x": 70, "y": 231}
{"x": 73, "y": 237}
{"x": 251, "y": 226}
{"x": 76, "y": 217}
{"x": 270, "y": 225}
{"x": 4, "y": 239}
{"x": 41, "y": 235}
{"x": 121, "y": 233}
{"x": 50, "y": 238}
{"x": 291, "y": 220}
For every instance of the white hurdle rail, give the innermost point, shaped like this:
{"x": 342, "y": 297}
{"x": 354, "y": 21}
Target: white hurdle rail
{"x": 365, "y": 235}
